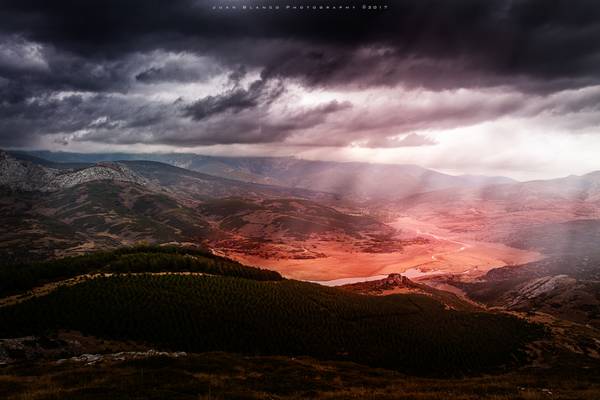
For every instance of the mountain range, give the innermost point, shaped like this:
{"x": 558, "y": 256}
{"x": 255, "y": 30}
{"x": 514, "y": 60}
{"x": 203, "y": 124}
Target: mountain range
{"x": 51, "y": 208}
{"x": 65, "y": 219}
{"x": 240, "y": 212}
{"x": 359, "y": 181}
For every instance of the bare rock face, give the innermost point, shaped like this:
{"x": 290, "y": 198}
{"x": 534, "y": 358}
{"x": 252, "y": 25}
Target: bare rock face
{"x": 559, "y": 295}
{"x": 26, "y": 176}
{"x": 18, "y": 175}
{"x": 391, "y": 282}
{"x": 91, "y": 359}
{"x": 397, "y": 280}
{"x": 538, "y": 289}
{"x": 101, "y": 171}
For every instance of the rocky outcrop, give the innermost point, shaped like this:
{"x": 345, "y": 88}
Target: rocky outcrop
{"x": 397, "y": 280}
{"x": 560, "y": 295}
{"x": 32, "y": 348}
{"x": 21, "y": 175}
{"x": 102, "y": 171}
{"x": 391, "y": 282}
{"x": 399, "y": 284}
{"x": 537, "y": 289}
{"x": 91, "y": 359}
{"x": 26, "y": 176}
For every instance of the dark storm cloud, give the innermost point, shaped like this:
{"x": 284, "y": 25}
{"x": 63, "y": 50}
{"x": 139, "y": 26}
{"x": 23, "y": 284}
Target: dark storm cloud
{"x": 104, "y": 48}
{"x": 236, "y": 100}
{"x": 539, "y": 38}
{"x": 168, "y": 74}
{"x": 49, "y": 115}
{"x": 180, "y": 69}
{"x": 40, "y": 69}
{"x": 257, "y": 127}
{"x": 12, "y": 92}
{"x": 306, "y": 118}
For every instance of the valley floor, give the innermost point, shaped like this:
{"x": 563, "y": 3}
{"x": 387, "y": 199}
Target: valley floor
{"x": 444, "y": 253}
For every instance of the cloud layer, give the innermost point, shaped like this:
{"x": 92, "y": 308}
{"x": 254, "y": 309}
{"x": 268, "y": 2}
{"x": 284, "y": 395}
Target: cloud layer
{"x": 183, "y": 75}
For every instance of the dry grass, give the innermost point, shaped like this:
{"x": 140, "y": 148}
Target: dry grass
{"x": 214, "y": 376}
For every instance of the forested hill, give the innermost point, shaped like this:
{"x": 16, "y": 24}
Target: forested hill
{"x": 16, "y": 278}
{"x": 147, "y": 294}
{"x": 198, "y": 313}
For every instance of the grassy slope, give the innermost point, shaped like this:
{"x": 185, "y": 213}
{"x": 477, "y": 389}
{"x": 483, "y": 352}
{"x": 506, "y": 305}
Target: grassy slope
{"x": 298, "y": 218}
{"x": 103, "y": 212}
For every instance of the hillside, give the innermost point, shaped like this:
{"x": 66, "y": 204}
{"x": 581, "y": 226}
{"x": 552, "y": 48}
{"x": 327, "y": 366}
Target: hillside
{"x": 199, "y": 313}
{"x": 563, "y": 284}
{"x": 100, "y": 214}
{"x": 580, "y": 237}
{"x": 496, "y": 212}
{"x": 23, "y": 277}
{"x": 105, "y": 205}
{"x": 296, "y": 218}
{"x": 106, "y": 214}
{"x": 293, "y": 228}
{"x": 396, "y": 284}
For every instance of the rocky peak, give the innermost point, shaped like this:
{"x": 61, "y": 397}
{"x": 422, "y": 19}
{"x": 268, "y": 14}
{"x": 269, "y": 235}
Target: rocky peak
{"x": 27, "y": 176}
{"x": 397, "y": 280}
{"x": 391, "y": 282}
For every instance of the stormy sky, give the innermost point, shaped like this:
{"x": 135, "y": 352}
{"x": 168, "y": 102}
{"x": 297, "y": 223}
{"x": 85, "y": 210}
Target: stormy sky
{"x": 508, "y": 87}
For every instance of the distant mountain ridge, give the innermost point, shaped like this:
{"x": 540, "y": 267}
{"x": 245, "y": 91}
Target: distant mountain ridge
{"x": 21, "y": 171}
{"x": 362, "y": 181}
{"x": 29, "y": 176}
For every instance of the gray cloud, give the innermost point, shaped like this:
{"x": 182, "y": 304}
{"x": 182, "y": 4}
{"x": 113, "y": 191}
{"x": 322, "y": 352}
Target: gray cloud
{"x": 497, "y": 40}
{"x": 410, "y": 140}
{"x": 260, "y": 93}
{"x": 180, "y": 68}
{"x": 81, "y": 81}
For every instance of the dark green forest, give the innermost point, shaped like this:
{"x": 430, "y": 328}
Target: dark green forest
{"x": 410, "y": 333}
{"x": 16, "y": 278}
